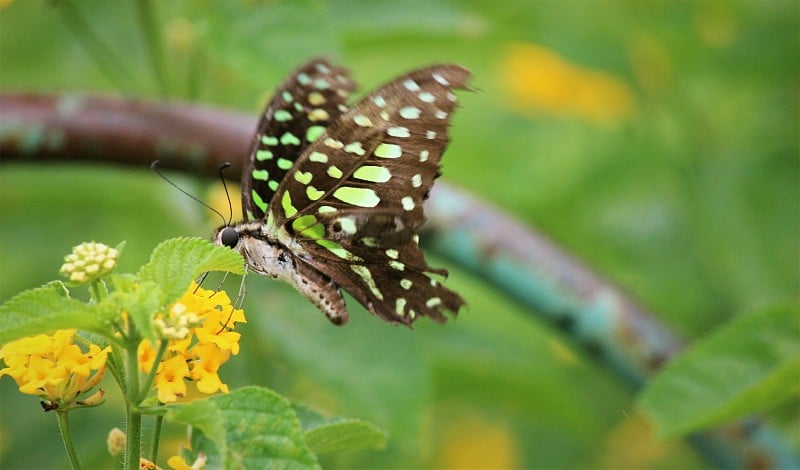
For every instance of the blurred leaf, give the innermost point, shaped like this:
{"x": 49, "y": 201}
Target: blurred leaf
{"x": 750, "y": 365}
{"x": 345, "y": 434}
{"x": 250, "y": 428}
{"x": 43, "y": 310}
{"x": 324, "y": 434}
{"x": 177, "y": 262}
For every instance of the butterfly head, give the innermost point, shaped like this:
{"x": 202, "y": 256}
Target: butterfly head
{"x": 227, "y": 236}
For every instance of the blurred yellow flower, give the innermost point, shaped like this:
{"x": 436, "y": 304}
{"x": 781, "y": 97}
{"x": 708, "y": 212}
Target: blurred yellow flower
{"x": 218, "y": 199}
{"x": 55, "y": 369}
{"x": 197, "y": 347}
{"x": 471, "y": 442}
{"x": 538, "y": 79}
{"x": 178, "y": 463}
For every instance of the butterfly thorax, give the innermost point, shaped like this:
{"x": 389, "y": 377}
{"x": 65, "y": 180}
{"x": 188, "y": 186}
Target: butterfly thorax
{"x": 267, "y": 256}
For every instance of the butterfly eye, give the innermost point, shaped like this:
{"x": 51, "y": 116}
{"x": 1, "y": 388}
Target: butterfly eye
{"x": 229, "y": 237}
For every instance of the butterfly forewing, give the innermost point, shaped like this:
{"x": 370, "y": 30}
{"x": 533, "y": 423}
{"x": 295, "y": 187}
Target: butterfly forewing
{"x": 305, "y": 104}
{"x": 353, "y": 201}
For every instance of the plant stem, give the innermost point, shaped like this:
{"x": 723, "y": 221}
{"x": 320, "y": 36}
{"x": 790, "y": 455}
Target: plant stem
{"x": 162, "y": 348}
{"x": 133, "y": 432}
{"x": 96, "y": 293}
{"x": 66, "y": 436}
{"x": 156, "y": 438}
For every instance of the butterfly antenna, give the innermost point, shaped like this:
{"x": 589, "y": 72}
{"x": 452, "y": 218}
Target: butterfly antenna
{"x": 154, "y": 168}
{"x": 227, "y": 194}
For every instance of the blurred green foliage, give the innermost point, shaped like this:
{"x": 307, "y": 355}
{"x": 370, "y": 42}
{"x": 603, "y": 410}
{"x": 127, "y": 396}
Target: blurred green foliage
{"x": 689, "y": 201}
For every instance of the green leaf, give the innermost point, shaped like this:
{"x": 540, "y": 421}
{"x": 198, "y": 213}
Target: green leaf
{"x": 45, "y": 309}
{"x": 750, "y": 365}
{"x": 250, "y": 428}
{"x": 178, "y": 261}
{"x": 332, "y": 434}
{"x": 141, "y": 300}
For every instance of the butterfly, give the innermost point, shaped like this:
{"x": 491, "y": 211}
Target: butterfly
{"x": 332, "y": 194}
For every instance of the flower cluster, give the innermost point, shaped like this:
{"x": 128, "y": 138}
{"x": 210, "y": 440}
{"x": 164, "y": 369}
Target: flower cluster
{"x": 54, "y": 368}
{"x": 89, "y": 261}
{"x": 199, "y": 330}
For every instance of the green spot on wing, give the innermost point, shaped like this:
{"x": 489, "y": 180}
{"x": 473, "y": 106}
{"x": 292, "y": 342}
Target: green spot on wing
{"x": 355, "y": 147}
{"x": 313, "y": 193}
{"x": 334, "y": 172}
{"x": 284, "y": 164}
{"x": 388, "y": 151}
{"x": 318, "y": 157}
{"x": 348, "y": 225}
{"x": 362, "y": 197}
{"x": 376, "y": 174}
{"x": 258, "y": 201}
{"x": 337, "y": 249}
{"x": 273, "y": 185}
{"x": 262, "y": 155}
{"x": 410, "y": 112}
{"x": 269, "y": 140}
{"x": 302, "y": 223}
{"x": 315, "y": 231}
{"x": 262, "y": 175}
{"x": 314, "y": 132}
{"x": 289, "y": 139}
{"x": 282, "y": 115}
{"x": 366, "y": 276}
{"x": 286, "y": 202}
{"x": 303, "y": 177}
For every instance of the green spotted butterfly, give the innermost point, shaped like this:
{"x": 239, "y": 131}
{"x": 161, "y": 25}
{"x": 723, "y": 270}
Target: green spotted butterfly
{"x": 332, "y": 195}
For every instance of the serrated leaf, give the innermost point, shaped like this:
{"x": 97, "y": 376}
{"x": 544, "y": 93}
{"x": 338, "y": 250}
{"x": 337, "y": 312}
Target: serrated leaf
{"x": 332, "y": 434}
{"x": 177, "y": 262}
{"x": 250, "y": 428}
{"x": 751, "y": 364}
{"x": 45, "y": 309}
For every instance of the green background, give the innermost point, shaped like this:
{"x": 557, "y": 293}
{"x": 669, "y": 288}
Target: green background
{"x": 689, "y": 202}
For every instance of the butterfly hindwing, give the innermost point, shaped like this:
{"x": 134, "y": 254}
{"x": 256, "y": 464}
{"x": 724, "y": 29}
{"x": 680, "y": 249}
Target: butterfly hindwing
{"x": 352, "y": 203}
{"x": 302, "y": 107}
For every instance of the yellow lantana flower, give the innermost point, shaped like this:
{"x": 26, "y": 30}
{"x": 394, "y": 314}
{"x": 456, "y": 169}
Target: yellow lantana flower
{"x": 55, "y": 369}
{"x": 198, "y": 327}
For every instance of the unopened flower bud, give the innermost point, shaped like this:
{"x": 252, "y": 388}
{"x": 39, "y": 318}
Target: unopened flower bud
{"x": 88, "y": 262}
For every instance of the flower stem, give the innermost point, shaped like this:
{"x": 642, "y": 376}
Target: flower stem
{"x": 66, "y": 436}
{"x": 133, "y": 414}
{"x": 162, "y": 348}
{"x": 96, "y": 292}
{"x": 156, "y": 438}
